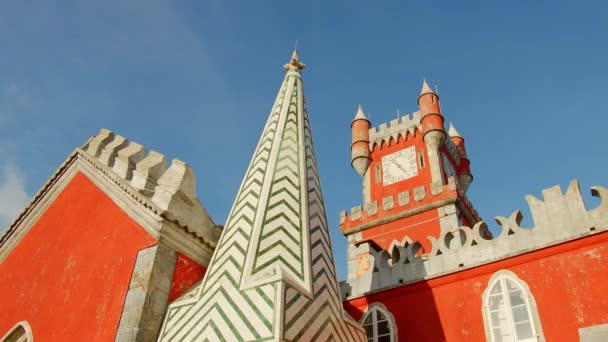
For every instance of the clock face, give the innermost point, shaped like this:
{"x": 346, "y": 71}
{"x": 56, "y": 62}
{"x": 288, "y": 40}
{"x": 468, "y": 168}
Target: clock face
{"x": 399, "y": 166}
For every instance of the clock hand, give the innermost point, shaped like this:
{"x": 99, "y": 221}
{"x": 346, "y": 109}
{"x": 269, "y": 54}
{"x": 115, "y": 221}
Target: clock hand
{"x": 401, "y": 167}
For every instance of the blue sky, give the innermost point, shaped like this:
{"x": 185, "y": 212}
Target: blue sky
{"x": 524, "y": 82}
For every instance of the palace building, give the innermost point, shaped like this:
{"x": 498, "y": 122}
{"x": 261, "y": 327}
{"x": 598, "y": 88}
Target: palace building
{"x": 117, "y": 246}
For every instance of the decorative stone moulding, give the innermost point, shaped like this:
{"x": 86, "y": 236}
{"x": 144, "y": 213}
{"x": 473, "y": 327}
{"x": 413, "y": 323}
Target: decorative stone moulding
{"x": 388, "y": 203}
{"x": 437, "y": 188}
{"x": 172, "y": 190}
{"x": 398, "y": 127}
{"x": 142, "y": 185}
{"x": 419, "y": 193}
{"x": 355, "y": 213}
{"x": 403, "y": 199}
{"x": 372, "y": 208}
{"x": 557, "y": 219}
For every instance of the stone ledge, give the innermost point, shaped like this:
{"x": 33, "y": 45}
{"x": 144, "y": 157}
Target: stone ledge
{"x": 558, "y": 218}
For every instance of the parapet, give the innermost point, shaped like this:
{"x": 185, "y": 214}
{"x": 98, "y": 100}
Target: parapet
{"x": 171, "y": 189}
{"x": 557, "y": 219}
{"x": 162, "y": 199}
{"x": 403, "y": 204}
{"x": 397, "y": 127}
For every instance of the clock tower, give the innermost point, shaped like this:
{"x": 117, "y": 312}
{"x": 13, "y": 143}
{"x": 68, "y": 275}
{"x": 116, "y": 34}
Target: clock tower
{"x": 415, "y": 179}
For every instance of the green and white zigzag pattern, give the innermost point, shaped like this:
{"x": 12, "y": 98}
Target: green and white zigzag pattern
{"x": 272, "y": 276}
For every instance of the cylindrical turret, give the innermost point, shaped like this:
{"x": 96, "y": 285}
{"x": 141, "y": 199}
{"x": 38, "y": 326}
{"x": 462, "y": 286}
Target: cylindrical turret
{"x": 360, "y": 154}
{"x": 464, "y": 170}
{"x": 433, "y": 132}
{"x": 430, "y": 112}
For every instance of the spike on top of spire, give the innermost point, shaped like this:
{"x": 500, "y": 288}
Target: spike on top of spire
{"x": 294, "y": 64}
{"x": 426, "y": 89}
{"x": 453, "y": 132}
{"x": 360, "y": 114}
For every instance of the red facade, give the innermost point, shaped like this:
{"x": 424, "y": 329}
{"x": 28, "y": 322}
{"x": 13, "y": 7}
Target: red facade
{"x": 72, "y": 269}
{"x": 567, "y": 282}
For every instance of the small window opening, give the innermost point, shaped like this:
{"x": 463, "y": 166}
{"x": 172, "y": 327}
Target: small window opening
{"x": 379, "y": 325}
{"x": 377, "y": 173}
{"x": 433, "y": 98}
{"x": 21, "y": 332}
{"x": 421, "y": 159}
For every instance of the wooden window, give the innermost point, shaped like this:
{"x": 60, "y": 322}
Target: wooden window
{"x": 21, "y": 332}
{"x": 379, "y": 324}
{"x": 510, "y": 315}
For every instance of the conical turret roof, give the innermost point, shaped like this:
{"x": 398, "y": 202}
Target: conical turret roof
{"x": 360, "y": 115}
{"x": 452, "y": 132}
{"x": 426, "y": 89}
{"x": 272, "y": 275}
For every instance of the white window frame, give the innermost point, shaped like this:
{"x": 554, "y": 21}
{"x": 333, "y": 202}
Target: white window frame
{"x": 499, "y": 278}
{"x": 379, "y": 307}
{"x": 25, "y": 336}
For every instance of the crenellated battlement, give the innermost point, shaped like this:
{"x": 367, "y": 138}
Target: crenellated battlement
{"x": 171, "y": 190}
{"x": 436, "y": 195}
{"x": 162, "y": 199}
{"x": 397, "y": 127}
{"x": 558, "y": 218}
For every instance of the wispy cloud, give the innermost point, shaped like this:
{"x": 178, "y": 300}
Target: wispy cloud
{"x": 12, "y": 194}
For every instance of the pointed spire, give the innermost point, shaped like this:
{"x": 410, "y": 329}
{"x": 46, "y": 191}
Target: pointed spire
{"x": 426, "y": 89}
{"x": 294, "y": 63}
{"x": 360, "y": 115}
{"x": 452, "y": 132}
{"x": 272, "y": 276}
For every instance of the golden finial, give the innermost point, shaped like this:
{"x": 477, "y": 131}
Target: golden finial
{"x": 294, "y": 64}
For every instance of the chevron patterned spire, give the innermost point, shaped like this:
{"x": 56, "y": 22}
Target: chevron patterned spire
{"x": 272, "y": 275}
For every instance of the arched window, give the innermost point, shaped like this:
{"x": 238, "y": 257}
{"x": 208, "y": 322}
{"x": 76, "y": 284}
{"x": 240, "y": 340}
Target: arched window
{"x": 21, "y": 332}
{"x": 379, "y": 324}
{"x": 510, "y": 312}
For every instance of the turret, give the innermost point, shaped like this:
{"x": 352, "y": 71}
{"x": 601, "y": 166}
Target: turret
{"x": 360, "y": 154}
{"x": 464, "y": 174}
{"x": 432, "y": 128}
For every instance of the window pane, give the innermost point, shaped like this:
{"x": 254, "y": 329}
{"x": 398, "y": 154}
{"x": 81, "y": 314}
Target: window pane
{"x": 497, "y": 317}
{"x": 383, "y": 328}
{"x": 516, "y": 298}
{"x": 497, "y": 335}
{"x": 496, "y": 302}
{"x": 511, "y": 286}
{"x": 496, "y": 288}
{"x": 520, "y": 314}
{"x": 381, "y": 316}
{"x": 524, "y": 330}
{"x": 368, "y": 320}
{"x": 369, "y": 330}
{"x": 386, "y": 338}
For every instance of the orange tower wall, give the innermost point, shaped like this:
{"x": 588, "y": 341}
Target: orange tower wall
{"x": 68, "y": 277}
{"x": 568, "y": 282}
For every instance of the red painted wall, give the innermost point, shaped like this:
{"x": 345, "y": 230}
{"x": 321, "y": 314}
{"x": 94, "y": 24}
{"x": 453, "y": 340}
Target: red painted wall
{"x": 187, "y": 273}
{"x": 378, "y": 190}
{"x": 568, "y": 282}
{"x": 68, "y": 277}
{"x": 416, "y": 227}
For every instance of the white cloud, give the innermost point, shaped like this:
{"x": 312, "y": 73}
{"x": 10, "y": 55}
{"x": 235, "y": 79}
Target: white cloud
{"x": 13, "y": 197}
